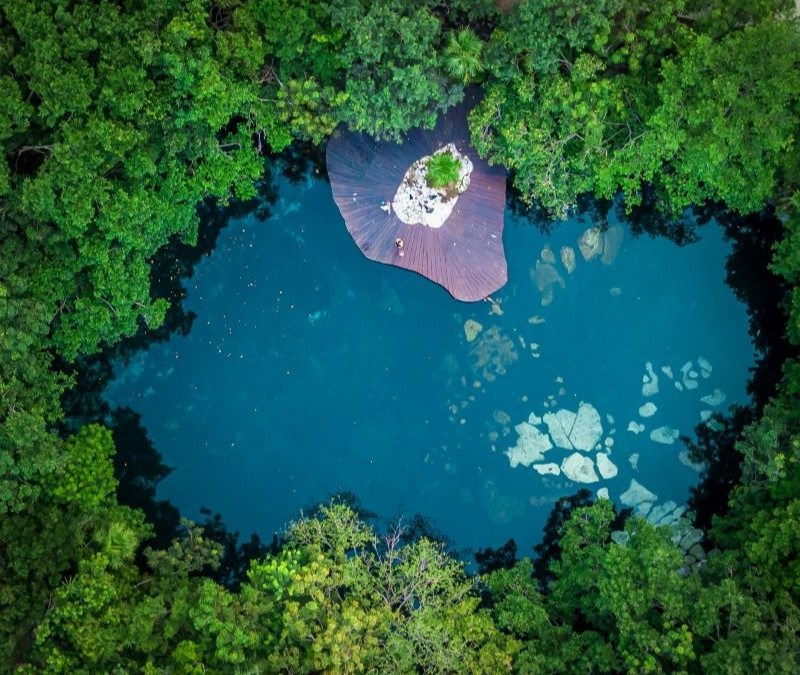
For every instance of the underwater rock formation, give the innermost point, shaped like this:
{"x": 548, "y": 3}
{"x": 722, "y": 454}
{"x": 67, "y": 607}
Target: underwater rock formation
{"x": 612, "y": 242}
{"x": 579, "y": 468}
{"x": 647, "y": 410}
{"x": 686, "y": 460}
{"x": 665, "y": 435}
{"x": 568, "y": 258}
{"x": 545, "y": 276}
{"x": 637, "y": 494}
{"x": 649, "y": 381}
{"x": 717, "y": 397}
{"x": 471, "y": 329}
{"x": 602, "y": 493}
{"x": 579, "y": 430}
{"x": 590, "y": 243}
{"x": 493, "y": 352}
{"x": 635, "y": 427}
{"x": 531, "y": 445}
{"x": 605, "y": 466}
{"x": 545, "y": 469}
{"x": 547, "y": 255}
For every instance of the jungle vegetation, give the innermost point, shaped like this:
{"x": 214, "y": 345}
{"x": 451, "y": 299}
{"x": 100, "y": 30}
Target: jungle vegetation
{"x": 122, "y": 120}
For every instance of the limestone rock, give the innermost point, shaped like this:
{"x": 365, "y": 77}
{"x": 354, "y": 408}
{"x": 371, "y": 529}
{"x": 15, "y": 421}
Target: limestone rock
{"x": 579, "y": 468}
{"x": 605, "y": 466}
{"x": 642, "y": 508}
{"x": 660, "y": 515}
{"x": 531, "y": 446}
{"x": 705, "y": 415}
{"x": 587, "y": 428}
{"x": 635, "y": 427}
{"x": 547, "y": 255}
{"x": 471, "y": 329}
{"x": 686, "y": 460}
{"x": 665, "y": 435}
{"x": 559, "y": 424}
{"x": 602, "y": 493}
{"x": 612, "y": 242}
{"x": 717, "y": 397}
{"x": 667, "y": 370}
{"x": 545, "y": 469}
{"x": 692, "y": 537}
{"x": 417, "y": 203}
{"x": 545, "y": 276}
{"x": 647, "y": 410}
{"x": 650, "y": 381}
{"x": 633, "y": 460}
{"x": 590, "y": 243}
{"x": 705, "y": 366}
{"x": 636, "y": 494}
{"x": 568, "y": 258}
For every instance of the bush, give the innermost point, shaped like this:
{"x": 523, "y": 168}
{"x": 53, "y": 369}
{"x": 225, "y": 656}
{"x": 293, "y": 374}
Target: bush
{"x": 443, "y": 170}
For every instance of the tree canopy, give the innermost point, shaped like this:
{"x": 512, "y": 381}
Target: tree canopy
{"x": 119, "y": 119}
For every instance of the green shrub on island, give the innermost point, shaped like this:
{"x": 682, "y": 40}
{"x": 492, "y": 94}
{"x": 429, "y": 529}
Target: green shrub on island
{"x": 443, "y": 170}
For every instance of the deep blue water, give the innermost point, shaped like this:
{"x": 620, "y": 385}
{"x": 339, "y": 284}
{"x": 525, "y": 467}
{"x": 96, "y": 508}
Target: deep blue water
{"x": 311, "y": 370}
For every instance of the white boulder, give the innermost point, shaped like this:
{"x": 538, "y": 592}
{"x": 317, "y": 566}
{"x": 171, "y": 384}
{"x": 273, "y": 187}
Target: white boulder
{"x": 648, "y": 409}
{"x": 605, "y": 466}
{"x": 531, "y": 446}
{"x": 717, "y": 397}
{"x": 665, "y": 435}
{"x": 637, "y": 494}
{"x": 579, "y": 468}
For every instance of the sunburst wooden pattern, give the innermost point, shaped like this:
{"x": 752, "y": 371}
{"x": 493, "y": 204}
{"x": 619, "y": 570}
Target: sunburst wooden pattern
{"x": 466, "y": 254}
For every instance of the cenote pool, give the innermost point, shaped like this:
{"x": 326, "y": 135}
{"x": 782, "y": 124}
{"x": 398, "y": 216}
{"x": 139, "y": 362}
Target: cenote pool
{"x": 311, "y": 370}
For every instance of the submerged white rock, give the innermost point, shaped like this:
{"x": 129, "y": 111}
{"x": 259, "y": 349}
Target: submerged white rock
{"x": 717, "y": 397}
{"x": 590, "y": 243}
{"x": 665, "y": 435}
{"x": 667, "y": 370}
{"x": 637, "y": 494}
{"x": 602, "y": 493}
{"x": 545, "y": 469}
{"x": 633, "y": 460}
{"x": 612, "y": 242}
{"x": 704, "y": 365}
{"x": 579, "y": 468}
{"x": 647, "y": 410}
{"x": 531, "y": 445}
{"x": 545, "y": 276}
{"x": 686, "y": 460}
{"x": 635, "y": 427}
{"x": 705, "y": 414}
{"x": 605, "y": 466}
{"x": 559, "y": 424}
{"x": 650, "y": 381}
{"x": 547, "y": 255}
{"x": 415, "y": 203}
{"x": 568, "y": 258}
{"x": 587, "y": 428}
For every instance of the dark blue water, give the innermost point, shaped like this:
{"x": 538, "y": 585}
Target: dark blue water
{"x": 311, "y": 370}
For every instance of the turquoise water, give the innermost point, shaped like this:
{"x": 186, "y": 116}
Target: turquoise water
{"x": 311, "y": 370}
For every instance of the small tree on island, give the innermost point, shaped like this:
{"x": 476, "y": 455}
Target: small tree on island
{"x": 443, "y": 171}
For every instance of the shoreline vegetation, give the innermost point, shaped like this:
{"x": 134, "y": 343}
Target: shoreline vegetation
{"x": 129, "y": 129}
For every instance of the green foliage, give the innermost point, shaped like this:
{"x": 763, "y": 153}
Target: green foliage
{"x": 442, "y": 170}
{"x": 463, "y": 56}
{"x": 88, "y": 474}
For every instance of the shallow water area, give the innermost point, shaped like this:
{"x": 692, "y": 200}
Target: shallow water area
{"x": 311, "y": 370}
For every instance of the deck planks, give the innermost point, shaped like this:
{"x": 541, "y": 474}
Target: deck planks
{"x": 466, "y": 254}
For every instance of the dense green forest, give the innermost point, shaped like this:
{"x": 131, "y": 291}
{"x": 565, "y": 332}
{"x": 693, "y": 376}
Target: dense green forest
{"x": 119, "y": 119}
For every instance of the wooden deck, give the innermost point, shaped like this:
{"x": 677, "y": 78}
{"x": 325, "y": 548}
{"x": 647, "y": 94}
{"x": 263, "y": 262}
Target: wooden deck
{"x": 466, "y": 254}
